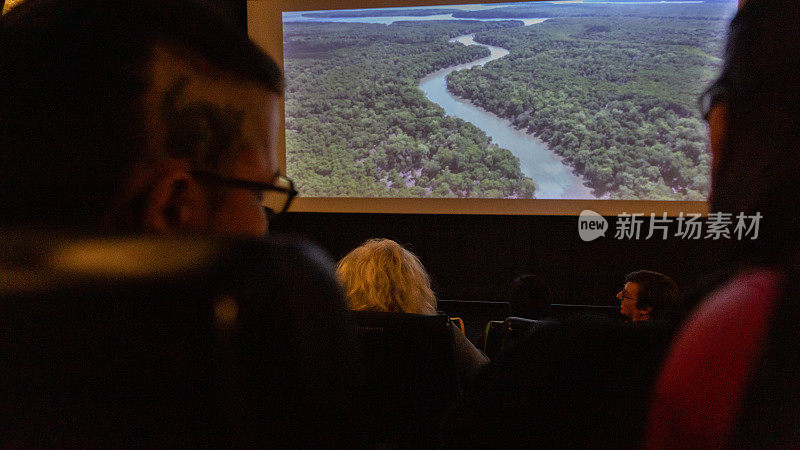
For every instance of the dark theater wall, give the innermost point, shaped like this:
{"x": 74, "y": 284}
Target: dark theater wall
{"x": 472, "y": 257}
{"x": 234, "y": 10}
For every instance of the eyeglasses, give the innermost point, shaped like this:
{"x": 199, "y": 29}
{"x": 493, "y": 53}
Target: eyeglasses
{"x": 716, "y": 93}
{"x": 275, "y": 197}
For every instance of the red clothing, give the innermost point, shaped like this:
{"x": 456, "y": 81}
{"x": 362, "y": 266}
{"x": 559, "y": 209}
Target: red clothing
{"x": 700, "y": 391}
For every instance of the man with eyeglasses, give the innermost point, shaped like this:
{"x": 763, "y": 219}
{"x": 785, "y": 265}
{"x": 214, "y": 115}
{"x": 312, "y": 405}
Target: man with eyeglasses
{"x": 646, "y": 295}
{"x": 155, "y": 116}
{"x": 122, "y": 117}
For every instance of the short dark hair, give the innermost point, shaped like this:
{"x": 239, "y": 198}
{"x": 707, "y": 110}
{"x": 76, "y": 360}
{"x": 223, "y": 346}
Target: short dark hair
{"x": 656, "y": 291}
{"x": 758, "y": 170}
{"x": 530, "y": 297}
{"x": 72, "y": 75}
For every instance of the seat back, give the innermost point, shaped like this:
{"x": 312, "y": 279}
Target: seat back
{"x": 410, "y": 374}
{"x": 565, "y": 311}
{"x": 500, "y": 335}
{"x": 475, "y": 314}
{"x": 493, "y": 338}
{"x": 516, "y": 328}
{"x": 171, "y": 342}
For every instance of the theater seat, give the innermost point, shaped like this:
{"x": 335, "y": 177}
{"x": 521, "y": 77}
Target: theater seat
{"x": 410, "y": 375}
{"x": 493, "y": 338}
{"x": 500, "y": 335}
{"x": 565, "y": 312}
{"x": 172, "y": 342}
{"x": 517, "y": 327}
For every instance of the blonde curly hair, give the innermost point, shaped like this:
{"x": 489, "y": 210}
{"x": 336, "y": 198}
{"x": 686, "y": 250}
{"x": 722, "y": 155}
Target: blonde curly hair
{"x": 381, "y": 275}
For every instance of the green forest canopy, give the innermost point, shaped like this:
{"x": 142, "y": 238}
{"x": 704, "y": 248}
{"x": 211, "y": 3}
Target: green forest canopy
{"x": 614, "y": 95}
{"x": 357, "y": 125}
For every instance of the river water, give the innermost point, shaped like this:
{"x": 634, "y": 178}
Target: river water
{"x": 554, "y": 179}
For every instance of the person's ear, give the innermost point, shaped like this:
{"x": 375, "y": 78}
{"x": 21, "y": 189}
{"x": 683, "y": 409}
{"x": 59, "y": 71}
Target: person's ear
{"x": 646, "y": 310}
{"x": 174, "y": 204}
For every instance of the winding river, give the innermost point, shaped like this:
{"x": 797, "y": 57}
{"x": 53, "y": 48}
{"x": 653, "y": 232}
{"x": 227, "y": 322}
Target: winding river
{"x": 553, "y": 177}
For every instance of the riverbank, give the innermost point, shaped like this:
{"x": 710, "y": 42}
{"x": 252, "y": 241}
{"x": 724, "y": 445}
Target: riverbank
{"x": 554, "y": 179}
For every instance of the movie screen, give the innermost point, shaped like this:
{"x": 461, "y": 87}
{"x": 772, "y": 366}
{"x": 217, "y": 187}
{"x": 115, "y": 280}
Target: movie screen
{"x": 533, "y": 100}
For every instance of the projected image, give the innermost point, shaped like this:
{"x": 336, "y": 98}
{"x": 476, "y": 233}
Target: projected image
{"x": 548, "y": 100}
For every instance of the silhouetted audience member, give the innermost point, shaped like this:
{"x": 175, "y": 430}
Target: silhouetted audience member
{"x": 146, "y": 115}
{"x": 381, "y": 275}
{"x": 732, "y": 377}
{"x": 646, "y": 296}
{"x": 530, "y": 297}
{"x": 156, "y": 116}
